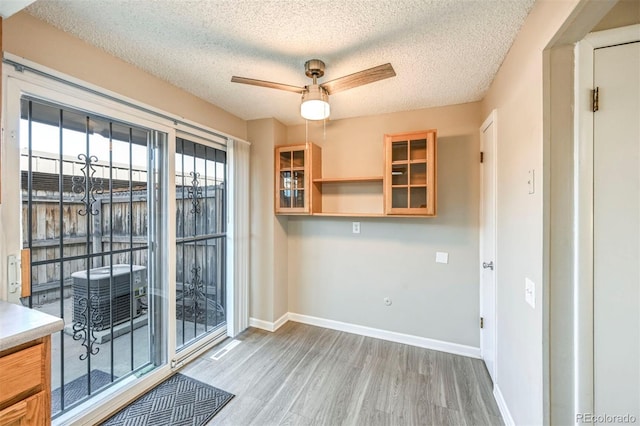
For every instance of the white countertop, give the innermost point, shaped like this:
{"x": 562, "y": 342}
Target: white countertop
{"x": 20, "y": 325}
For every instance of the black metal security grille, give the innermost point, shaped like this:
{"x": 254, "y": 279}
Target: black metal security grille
{"x": 201, "y": 240}
{"x": 85, "y": 219}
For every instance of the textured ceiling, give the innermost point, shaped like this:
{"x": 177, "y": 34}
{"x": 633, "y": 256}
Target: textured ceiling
{"x": 443, "y": 51}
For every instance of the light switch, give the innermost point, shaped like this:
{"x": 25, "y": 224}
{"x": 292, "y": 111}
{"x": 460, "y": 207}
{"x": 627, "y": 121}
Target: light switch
{"x": 530, "y": 292}
{"x": 442, "y": 257}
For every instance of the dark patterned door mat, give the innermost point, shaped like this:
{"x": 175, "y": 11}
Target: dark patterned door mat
{"x": 178, "y": 401}
{"x": 76, "y": 389}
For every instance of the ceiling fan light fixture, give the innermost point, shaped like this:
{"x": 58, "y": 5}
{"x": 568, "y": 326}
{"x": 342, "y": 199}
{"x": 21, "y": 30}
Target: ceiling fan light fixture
{"x": 315, "y": 97}
{"x": 315, "y": 103}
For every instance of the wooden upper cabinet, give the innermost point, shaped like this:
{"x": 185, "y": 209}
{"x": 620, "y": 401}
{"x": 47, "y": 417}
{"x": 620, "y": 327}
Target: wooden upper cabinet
{"x": 296, "y": 167}
{"x": 410, "y": 173}
{"x": 408, "y": 183}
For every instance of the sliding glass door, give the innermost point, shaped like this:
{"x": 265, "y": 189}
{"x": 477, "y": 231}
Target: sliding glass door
{"x": 200, "y": 241}
{"x": 88, "y": 210}
{"x": 125, "y": 219}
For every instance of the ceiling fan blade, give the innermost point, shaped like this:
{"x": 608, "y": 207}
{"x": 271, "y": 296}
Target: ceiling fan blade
{"x": 268, "y": 84}
{"x": 359, "y": 78}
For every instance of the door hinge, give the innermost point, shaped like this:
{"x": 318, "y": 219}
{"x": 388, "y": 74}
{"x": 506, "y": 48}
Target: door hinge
{"x": 595, "y": 101}
{"x": 481, "y": 322}
{"x": 481, "y": 157}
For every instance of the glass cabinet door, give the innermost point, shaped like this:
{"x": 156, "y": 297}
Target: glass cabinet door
{"x": 410, "y": 180}
{"x": 291, "y": 185}
{"x": 400, "y": 174}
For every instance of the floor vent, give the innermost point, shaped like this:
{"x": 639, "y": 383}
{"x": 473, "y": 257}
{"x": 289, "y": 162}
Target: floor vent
{"x": 222, "y": 352}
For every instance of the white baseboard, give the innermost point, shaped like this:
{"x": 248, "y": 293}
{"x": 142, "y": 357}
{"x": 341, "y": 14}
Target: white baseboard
{"x": 269, "y": 326}
{"x": 392, "y": 336}
{"x": 281, "y": 321}
{"x": 258, "y": 323}
{"x": 502, "y": 406}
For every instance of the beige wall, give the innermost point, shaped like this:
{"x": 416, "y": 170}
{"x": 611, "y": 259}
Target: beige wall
{"x": 281, "y": 246}
{"x": 39, "y": 42}
{"x": 625, "y": 12}
{"x": 268, "y": 275}
{"x": 517, "y": 94}
{"x": 337, "y": 275}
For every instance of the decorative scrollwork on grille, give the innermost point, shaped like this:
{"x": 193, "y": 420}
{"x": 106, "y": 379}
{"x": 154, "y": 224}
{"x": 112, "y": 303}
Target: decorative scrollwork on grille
{"x": 88, "y": 185}
{"x": 85, "y": 328}
{"x": 195, "y": 293}
{"x": 195, "y": 192}
{"x": 197, "y": 305}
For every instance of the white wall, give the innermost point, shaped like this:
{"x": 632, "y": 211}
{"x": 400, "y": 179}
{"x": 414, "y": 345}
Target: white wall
{"x": 334, "y": 274}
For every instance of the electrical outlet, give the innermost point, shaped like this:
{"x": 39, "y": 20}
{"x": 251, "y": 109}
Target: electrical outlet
{"x": 530, "y": 292}
{"x": 387, "y": 301}
{"x": 531, "y": 183}
{"x": 356, "y": 227}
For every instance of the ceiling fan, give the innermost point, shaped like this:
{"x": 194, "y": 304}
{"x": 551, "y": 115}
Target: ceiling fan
{"x": 315, "y": 97}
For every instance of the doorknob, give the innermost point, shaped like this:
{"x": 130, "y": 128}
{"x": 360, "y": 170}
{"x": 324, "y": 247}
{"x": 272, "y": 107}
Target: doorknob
{"x": 486, "y": 265}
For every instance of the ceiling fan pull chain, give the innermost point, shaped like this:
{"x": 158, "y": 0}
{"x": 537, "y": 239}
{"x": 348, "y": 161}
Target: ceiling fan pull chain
{"x": 324, "y": 130}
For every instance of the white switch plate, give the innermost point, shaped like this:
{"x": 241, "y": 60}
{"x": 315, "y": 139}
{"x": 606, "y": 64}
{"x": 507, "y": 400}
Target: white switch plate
{"x": 532, "y": 181}
{"x": 530, "y": 292}
{"x": 442, "y": 257}
{"x": 356, "y": 227}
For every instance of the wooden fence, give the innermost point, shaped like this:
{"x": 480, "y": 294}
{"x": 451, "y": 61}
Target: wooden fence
{"x": 121, "y": 223}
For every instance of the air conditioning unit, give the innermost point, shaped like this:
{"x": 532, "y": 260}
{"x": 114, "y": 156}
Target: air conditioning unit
{"x": 106, "y": 292}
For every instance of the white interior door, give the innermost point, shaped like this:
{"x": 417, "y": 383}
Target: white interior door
{"x": 617, "y": 231}
{"x": 488, "y": 244}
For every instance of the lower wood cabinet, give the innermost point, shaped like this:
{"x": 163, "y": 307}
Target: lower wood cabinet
{"x": 25, "y": 390}
{"x": 29, "y": 411}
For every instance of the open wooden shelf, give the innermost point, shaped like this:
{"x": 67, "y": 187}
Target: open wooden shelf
{"x": 338, "y": 214}
{"x": 349, "y": 179}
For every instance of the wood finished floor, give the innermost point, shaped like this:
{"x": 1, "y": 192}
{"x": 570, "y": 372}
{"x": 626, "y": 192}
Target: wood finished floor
{"x": 306, "y": 375}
